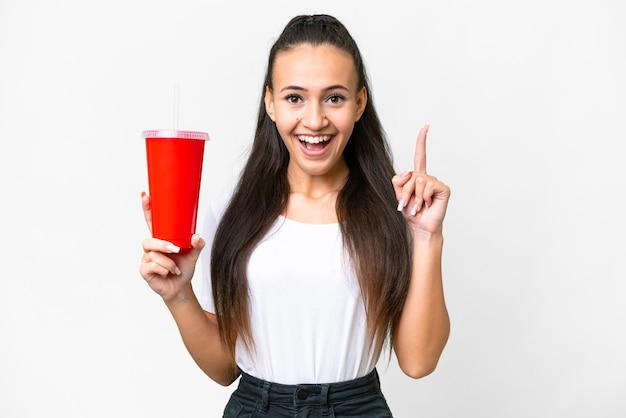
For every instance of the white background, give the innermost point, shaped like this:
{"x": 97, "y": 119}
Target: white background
{"x": 527, "y": 105}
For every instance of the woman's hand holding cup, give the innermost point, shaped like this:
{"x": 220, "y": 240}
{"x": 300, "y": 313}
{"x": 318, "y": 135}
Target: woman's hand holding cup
{"x": 165, "y": 267}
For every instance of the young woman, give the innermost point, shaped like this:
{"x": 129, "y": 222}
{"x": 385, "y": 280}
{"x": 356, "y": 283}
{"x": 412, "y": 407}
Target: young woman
{"x": 321, "y": 256}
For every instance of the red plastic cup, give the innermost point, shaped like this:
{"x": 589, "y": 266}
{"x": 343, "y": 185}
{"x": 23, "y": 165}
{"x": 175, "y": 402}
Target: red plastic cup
{"x": 174, "y": 174}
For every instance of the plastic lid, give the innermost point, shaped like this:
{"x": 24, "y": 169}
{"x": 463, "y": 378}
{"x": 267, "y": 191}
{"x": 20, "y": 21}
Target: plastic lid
{"x": 164, "y": 133}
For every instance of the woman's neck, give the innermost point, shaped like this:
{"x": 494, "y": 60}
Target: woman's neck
{"x": 312, "y": 199}
{"x": 315, "y": 186}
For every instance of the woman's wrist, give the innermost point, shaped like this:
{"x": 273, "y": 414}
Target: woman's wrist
{"x": 427, "y": 237}
{"x": 180, "y": 298}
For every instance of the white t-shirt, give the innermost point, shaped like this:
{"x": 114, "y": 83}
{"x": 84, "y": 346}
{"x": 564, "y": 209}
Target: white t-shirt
{"x": 307, "y": 314}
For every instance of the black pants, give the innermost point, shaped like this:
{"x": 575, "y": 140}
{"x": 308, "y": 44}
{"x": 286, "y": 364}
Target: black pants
{"x": 355, "y": 398}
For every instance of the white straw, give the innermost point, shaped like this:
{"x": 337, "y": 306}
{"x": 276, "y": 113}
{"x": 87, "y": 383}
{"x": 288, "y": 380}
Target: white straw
{"x": 176, "y": 105}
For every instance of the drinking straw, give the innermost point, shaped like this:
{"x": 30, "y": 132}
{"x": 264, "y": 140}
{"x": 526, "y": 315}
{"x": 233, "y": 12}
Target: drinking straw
{"x": 176, "y": 105}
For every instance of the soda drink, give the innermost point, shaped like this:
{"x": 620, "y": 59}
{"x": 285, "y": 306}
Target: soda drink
{"x": 174, "y": 161}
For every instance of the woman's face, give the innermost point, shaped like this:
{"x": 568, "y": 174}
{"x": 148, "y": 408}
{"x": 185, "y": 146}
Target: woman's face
{"x": 315, "y": 103}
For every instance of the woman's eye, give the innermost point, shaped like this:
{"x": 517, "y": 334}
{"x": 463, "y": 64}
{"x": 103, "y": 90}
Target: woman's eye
{"x": 336, "y": 99}
{"x": 293, "y": 99}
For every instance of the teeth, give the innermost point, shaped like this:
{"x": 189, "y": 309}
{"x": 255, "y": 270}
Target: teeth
{"x": 314, "y": 139}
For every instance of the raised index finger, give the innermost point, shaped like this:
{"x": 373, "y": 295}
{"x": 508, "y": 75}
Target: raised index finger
{"x": 420, "y": 151}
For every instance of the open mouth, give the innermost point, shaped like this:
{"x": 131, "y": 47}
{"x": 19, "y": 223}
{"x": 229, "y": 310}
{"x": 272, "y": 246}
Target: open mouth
{"x": 314, "y": 143}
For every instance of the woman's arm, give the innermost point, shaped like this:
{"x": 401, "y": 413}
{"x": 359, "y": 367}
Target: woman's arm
{"x": 422, "y": 328}
{"x": 200, "y": 333}
{"x": 169, "y": 272}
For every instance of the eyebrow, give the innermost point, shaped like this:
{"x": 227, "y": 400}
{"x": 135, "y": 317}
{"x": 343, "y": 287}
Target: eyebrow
{"x": 333, "y": 87}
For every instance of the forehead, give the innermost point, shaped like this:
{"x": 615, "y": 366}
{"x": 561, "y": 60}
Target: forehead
{"x": 307, "y": 64}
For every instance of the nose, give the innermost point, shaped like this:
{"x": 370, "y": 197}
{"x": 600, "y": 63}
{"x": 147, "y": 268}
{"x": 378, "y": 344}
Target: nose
{"x": 314, "y": 117}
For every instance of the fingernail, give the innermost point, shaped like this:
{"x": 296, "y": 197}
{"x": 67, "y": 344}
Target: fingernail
{"x": 143, "y": 194}
{"x": 401, "y": 205}
{"x": 172, "y": 248}
{"x": 177, "y": 271}
{"x": 414, "y": 210}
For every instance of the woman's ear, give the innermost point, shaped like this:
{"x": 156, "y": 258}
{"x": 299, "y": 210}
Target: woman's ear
{"x": 269, "y": 103}
{"x": 361, "y": 102}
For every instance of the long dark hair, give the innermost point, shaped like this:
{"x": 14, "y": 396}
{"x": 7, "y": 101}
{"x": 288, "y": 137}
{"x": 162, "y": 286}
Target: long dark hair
{"x": 375, "y": 233}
